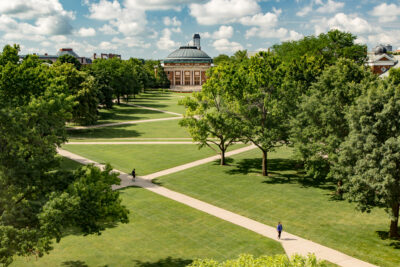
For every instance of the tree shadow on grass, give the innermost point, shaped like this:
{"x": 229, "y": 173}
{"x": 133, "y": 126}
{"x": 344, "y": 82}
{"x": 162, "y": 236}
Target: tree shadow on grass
{"x": 127, "y": 113}
{"x": 119, "y": 131}
{"x": 77, "y": 263}
{"x": 384, "y": 235}
{"x": 167, "y": 262}
{"x": 281, "y": 171}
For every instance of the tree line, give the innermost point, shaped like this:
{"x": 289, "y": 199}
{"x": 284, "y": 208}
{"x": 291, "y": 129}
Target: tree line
{"x": 317, "y": 95}
{"x": 39, "y": 200}
{"x": 97, "y": 85}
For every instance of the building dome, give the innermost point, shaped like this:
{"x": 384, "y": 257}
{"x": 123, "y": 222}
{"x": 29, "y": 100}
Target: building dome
{"x": 380, "y": 49}
{"x": 188, "y": 54}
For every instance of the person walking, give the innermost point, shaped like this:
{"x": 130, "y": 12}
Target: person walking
{"x": 279, "y": 229}
{"x": 133, "y": 175}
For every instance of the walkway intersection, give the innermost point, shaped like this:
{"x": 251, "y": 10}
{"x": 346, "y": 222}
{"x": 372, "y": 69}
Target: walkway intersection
{"x": 292, "y": 244}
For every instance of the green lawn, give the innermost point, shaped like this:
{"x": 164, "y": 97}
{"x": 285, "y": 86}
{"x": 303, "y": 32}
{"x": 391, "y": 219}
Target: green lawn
{"x": 158, "y": 129}
{"x": 305, "y": 209}
{"x": 161, "y": 233}
{"x": 162, "y": 100}
{"x": 128, "y": 113}
{"x": 69, "y": 164}
{"x": 145, "y": 158}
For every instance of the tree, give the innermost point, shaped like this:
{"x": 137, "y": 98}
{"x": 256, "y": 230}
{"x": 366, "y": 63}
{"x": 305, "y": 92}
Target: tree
{"x": 83, "y": 88}
{"x": 369, "y": 159}
{"x": 38, "y": 201}
{"x": 221, "y": 59}
{"x": 207, "y": 117}
{"x": 258, "y": 102}
{"x": 331, "y": 46}
{"x": 70, "y": 59}
{"x": 104, "y": 74}
{"x": 320, "y": 126}
{"x": 240, "y": 56}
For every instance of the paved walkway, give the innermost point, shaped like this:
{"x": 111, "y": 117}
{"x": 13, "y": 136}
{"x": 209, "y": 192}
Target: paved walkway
{"x": 292, "y": 244}
{"x": 137, "y": 143}
{"x": 121, "y": 123}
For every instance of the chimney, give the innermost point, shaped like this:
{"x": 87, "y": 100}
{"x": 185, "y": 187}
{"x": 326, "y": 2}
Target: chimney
{"x": 196, "y": 40}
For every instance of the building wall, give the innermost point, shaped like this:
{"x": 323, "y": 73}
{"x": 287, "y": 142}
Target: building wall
{"x": 186, "y": 74}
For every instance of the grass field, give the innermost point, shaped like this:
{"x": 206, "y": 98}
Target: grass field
{"x": 145, "y": 158}
{"x": 158, "y": 129}
{"x": 306, "y": 209}
{"x": 162, "y": 100}
{"x": 161, "y": 233}
{"x": 120, "y": 113}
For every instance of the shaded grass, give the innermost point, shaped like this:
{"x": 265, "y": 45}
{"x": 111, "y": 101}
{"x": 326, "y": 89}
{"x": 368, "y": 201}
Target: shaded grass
{"x": 120, "y": 113}
{"x": 161, "y": 232}
{"x": 164, "y": 129}
{"x": 163, "y": 100}
{"x": 305, "y": 208}
{"x": 145, "y": 158}
{"x": 68, "y": 164}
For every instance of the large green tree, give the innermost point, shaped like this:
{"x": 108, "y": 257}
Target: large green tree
{"x": 259, "y": 103}
{"x": 69, "y": 59}
{"x": 369, "y": 159}
{"x": 331, "y": 46}
{"x": 83, "y": 88}
{"x": 207, "y": 115}
{"x": 320, "y": 125}
{"x": 38, "y": 201}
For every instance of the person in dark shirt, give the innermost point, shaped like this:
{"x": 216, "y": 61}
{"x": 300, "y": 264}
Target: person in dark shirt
{"x": 133, "y": 174}
{"x": 279, "y": 229}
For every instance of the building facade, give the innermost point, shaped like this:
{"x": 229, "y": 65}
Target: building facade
{"x": 380, "y": 59}
{"x": 186, "y": 67}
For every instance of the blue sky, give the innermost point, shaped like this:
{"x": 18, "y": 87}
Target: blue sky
{"x": 154, "y": 28}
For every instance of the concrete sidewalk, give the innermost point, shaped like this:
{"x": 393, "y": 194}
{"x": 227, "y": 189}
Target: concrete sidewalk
{"x": 292, "y": 244}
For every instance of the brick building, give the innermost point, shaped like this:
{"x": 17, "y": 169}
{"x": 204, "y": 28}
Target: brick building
{"x": 186, "y": 67}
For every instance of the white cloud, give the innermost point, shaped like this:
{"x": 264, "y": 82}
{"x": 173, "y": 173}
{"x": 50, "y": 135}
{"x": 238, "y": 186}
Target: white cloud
{"x": 172, "y": 22}
{"x": 131, "y": 42}
{"x": 86, "y": 32}
{"x": 343, "y": 22}
{"x": 386, "y": 13}
{"x": 25, "y": 10}
{"x": 165, "y": 42}
{"x": 48, "y": 16}
{"x": 224, "y": 32}
{"x": 330, "y": 7}
{"x": 224, "y": 45}
{"x": 107, "y": 29}
{"x": 105, "y": 10}
{"x": 128, "y": 21}
{"x": 223, "y": 11}
{"x": 156, "y": 4}
{"x": 261, "y": 20}
{"x": 304, "y": 11}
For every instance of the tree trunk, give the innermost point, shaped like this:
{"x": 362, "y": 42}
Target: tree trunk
{"x": 118, "y": 99}
{"x": 223, "y": 157}
{"x": 395, "y": 221}
{"x": 264, "y": 163}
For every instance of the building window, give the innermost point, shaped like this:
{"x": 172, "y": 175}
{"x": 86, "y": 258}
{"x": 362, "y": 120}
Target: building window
{"x": 187, "y": 77}
{"x": 197, "y": 78}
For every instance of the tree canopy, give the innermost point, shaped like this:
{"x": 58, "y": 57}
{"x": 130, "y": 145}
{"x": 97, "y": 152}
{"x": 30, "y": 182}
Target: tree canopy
{"x": 38, "y": 200}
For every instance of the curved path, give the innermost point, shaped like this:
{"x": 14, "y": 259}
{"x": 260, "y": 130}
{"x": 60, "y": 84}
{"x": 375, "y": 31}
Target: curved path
{"x": 154, "y": 109}
{"x": 292, "y": 244}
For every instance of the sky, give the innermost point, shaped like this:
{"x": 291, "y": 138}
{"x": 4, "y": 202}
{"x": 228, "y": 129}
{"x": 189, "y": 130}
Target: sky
{"x": 152, "y": 29}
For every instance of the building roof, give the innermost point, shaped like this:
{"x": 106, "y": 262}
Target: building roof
{"x": 188, "y": 54}
{"x": 67, "y": 51}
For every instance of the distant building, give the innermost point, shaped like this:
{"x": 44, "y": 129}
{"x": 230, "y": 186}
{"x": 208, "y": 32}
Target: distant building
{"x": 106, "y": 56}
{"x": 380, "y": 59}
{"x": 61, "y": 52}
{"x": 186, "y": 67}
